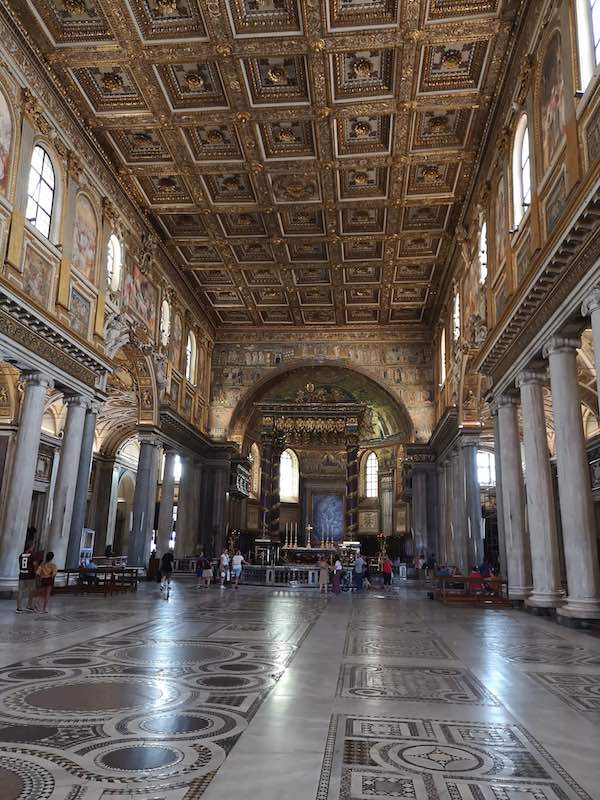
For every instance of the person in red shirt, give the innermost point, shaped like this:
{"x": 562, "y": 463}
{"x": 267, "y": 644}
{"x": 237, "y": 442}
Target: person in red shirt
{"x": 387, "y": 568}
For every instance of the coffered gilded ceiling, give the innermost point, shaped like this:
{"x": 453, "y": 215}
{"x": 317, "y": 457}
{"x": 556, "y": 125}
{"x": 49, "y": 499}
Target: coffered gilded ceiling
{"x": 305, "y": 161}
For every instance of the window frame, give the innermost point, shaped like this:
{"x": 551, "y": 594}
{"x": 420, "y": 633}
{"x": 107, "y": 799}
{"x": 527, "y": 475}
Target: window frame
{"x": 489, "y": 467}
{"x": 372, "y": 476}
{"x": 521, "y": 197}
{"x": 191, "y": 358}
{"x": 588, "y": 49}
{"x": 294, "y": 477}
{"x": 114, "y": 276}
{"x": 41, "y": 179}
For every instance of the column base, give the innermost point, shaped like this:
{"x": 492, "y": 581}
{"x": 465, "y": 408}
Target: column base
{"x": 8, "y": 587}
{"x": 545, "y": 600}
{"x": 580, "y": 609}
{"x": 519, "y": 593}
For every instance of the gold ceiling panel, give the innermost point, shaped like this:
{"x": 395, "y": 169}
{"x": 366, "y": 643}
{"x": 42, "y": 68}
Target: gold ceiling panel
{"x": 305, "y": 162}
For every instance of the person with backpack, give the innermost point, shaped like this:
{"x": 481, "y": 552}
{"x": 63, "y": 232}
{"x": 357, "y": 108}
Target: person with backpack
{"x": 203, "y": 572}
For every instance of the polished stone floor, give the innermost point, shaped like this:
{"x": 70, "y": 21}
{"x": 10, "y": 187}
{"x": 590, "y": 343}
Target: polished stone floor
{"x": 269, "y": 694}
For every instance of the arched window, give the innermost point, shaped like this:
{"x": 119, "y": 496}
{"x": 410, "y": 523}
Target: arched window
{"x": 588, "y": 38}
{"x": 486, "y": 468}
{"x": 372, "y": 476}
{"x": 483, "y": 254}
{"x": 190, "y": 358}
{"x": 456, "y": 316}
{"x": 521, "y": 171}
{"x": 114, "y": 263}
{"x": 40, "y": 192}
{"x": 165, "y": 323}
{"x": 289, "y": 476}
{"x": 443, "y": 357}
{"x": 255, "y": 470}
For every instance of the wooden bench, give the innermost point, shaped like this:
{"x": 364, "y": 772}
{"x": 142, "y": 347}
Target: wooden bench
{"x": 467, "y": 590}
{"x": 104, "y": 580}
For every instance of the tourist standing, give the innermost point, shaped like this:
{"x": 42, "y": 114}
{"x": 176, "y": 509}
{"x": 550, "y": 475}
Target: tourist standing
{"x": 202, "y": 568}
{"x": 337, "y": 575}
{"x": 359, "y": 572}
{"x": 224, "y": 567}
{"x": 387, "y": 568}
{"x": 323, "y": 575}
{"x": 166, "y": 570}
{"x": 27, "y": 570}
{"x": 46, "y": 574}
{"x": 237, "y": 562}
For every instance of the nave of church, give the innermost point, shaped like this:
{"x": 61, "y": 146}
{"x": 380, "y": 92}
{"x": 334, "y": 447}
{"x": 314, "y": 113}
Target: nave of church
{"x": 282, "y": 694}
{"x": 299, "y": 399}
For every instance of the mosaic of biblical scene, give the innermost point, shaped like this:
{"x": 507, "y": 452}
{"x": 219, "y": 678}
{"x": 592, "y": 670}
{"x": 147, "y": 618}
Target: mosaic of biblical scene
{"x": 176, "y": 341}
{"x": 79, "y": 313}
{"x": 37, "y": 277}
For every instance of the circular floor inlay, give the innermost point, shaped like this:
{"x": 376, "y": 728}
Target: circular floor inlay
{"x": 228, "y": 682}
{"x": 176, "y": 724}
{"x": 12, "y": 784}
{"x": 238, "y": 667}
{"x": 35, "y": 674}
{"x": 92, "y": 696}
{"x": 71, "y": 662}
{"x": 440, "y": 757}
{"x": 174, "y": 653}
{"x": 139, "y": 758}
{"x": 27, "y": 733}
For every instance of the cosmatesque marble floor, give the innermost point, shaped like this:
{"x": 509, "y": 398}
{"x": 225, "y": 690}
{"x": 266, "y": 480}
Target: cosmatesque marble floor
{"x": 273, "y": 694}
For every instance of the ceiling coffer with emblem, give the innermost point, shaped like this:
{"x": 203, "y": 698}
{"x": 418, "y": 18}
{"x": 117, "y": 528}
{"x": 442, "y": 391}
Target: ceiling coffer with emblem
{"x": 304, "y": 162}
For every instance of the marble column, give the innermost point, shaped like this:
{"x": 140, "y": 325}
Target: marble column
{"x": 459, "y": 516}
{"x": 442, "y": 521}
{"x": 352, "y": 490}
{"x": 103, "y": 510}
{"x": 419, "y": 510}
{"x": 219, "y": 506}
{"x": 543, "y": 534}
{"x": 82, "y": 487}
{"x": 513, "y": 502}
{"x": 449, "y": 487}
{"x": 574, "y": 486}
{"x": 17, "y": 502}
{"x": 185, "y": 511}
{"x": 165, "y": 512}
{"x": 275, "y": 514}
{"x": 591, "y": 308}
{"x": 195, "y": 539}
{"x": 143, "y": 502}
{"x": 472, "y": 500}
{"x": 266, "y": 472}
{"x": 66, "y": 479}
{"x": 499, "y": 508}
{"x": 386, "y": 489}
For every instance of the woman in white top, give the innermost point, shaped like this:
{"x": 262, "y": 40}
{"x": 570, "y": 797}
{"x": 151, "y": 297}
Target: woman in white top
{"x": 237, "y": 562}
{"x": 224, "y": 567}
{"x": 337, "y": 576}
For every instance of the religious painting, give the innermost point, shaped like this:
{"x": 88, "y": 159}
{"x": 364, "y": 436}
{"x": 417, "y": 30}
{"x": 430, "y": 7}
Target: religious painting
{"x": 552, "y": 99}
{"x": 500, "y": 299}
{"x": 85, "y": 235}
{"x": 500, "y": 223}
{"x": 37, "y": 277}
{"x": 141, "y": 296}
{"x": 176, "y": 341}
{"x": 328, "y": 517}
{"x": 5, "y": 142}
{"x": 79, "y": 313}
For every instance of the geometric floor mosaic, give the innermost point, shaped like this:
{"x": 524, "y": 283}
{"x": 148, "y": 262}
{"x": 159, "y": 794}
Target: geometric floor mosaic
{"x": 143, "y": 712}
{"x": 426, "y": 759}
{"x": 580, "y": 692}
{"x": 402, "y": 646}
{"x": 421, "y": 684}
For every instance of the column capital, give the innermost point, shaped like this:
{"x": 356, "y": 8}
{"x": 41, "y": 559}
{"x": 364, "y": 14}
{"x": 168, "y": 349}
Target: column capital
{"x": 149, "y": 439}
{"x": 469, "y": 440}
{"x": 77, "y": 400}
{"x": 95, "y": 407}
{"x": 36, "y": 379}
{"x": 531, "y": 377}
{"x": 561, "y": 344}
{"x": 591, "y": 302}
{"x": 506, "y": 400}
